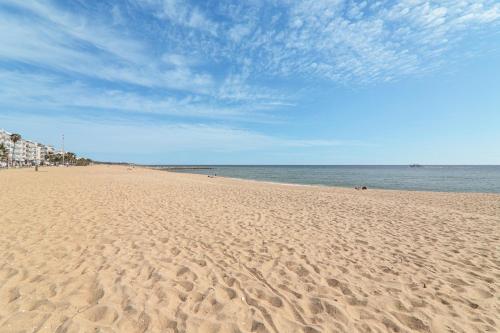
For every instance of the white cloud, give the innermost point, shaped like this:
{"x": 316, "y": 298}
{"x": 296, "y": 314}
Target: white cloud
{"x": 181, "y": 13}
{"x": 339, "y": 40}
{"x": 67, "y": 30}
{"x": 239, "y": 31}
{"x": 71, "y": 44}
{"x": 349, "y": 41}
{"x": 82, "y": 48}
{"x": 117, "y": 15}
{"x": 39, "y": 92}
{"x": 177, "y": 60}
{"x": 49, "y": 92}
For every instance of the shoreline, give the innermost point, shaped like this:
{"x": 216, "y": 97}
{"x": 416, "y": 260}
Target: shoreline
{"x": 326, "y": 186}
{"x": 318, "y": 186}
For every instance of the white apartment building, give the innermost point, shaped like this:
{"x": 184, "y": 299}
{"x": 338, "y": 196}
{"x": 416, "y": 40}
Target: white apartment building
{"x": 31, "y": 153}
{"x": 5, "y": 140}
{"x": 19, "y": 152}
{"x": 24, "y": 152}
{"x": 43, "y": 151}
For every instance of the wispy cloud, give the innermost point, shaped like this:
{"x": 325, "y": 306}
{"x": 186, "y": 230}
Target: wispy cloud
{"x": 72, "y": 45}
{"x": 339, "y": 40}
{"x": 180, "y": 12}
{"x": 354, "y": 42}
{"x": 75, "y": 49}
{"x": 50, "y": 92}
{"x": 189, "y": 51}
{"x": 243, "y": 61}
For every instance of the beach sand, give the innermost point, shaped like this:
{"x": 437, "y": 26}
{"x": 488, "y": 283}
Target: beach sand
{"x": 117, "y": 249}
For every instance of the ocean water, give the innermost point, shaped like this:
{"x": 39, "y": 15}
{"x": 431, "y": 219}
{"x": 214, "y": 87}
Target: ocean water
{"x": 425, "y": 178}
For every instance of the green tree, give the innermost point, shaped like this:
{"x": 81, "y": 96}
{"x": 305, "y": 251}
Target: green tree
{"x": 14, "y": 138}
{"x": 70, "y": 158}
{"x": 48, "y": 157}
{"x": 4, "y": 155}
{"x": 83, "y": 161}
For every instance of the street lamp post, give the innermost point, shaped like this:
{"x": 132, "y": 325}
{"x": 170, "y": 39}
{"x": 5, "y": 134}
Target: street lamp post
{"x": 63, "y": 149}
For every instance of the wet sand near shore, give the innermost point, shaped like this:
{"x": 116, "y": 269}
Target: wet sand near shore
{"x": 120, "y": 249}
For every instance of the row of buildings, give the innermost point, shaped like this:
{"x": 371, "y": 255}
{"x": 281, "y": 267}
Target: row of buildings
{"x": 24, "y": 152}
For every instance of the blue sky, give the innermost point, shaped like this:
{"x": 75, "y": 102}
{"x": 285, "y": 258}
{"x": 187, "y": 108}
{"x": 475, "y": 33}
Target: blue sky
{"x": 255, "y": 82}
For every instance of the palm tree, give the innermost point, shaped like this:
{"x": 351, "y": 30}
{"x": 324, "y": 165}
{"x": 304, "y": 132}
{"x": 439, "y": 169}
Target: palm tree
{"x": 50, "y": 157}
{"x": 14, "y": 138}
{"x": 4, "y": 156}
{"x": 70, "y": 157}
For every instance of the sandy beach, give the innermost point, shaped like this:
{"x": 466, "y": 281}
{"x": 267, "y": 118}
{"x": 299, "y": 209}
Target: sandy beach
{"x": 119, "y": 249}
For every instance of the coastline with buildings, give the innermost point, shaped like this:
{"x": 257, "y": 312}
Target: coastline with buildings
{"x": 15, "y": 151}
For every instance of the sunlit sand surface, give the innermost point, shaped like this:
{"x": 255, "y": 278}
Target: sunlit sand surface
{"x": 116, "y": 249}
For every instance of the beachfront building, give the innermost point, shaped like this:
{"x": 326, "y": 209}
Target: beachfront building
{"x": 16, "y": 152}
{"x": 43, "y": 152}
{"x": 7, "y": 143}
{"x": 19, "y": 153}
{"x": 24, "y": 152}
{"x": 30, "y": 152}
